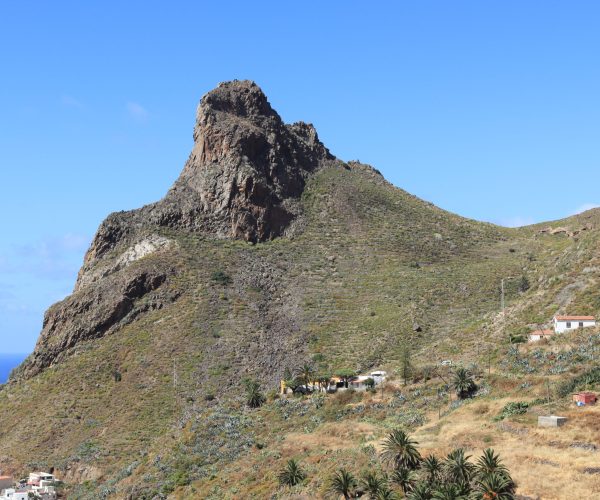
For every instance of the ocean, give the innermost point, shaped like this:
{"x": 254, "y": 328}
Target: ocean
{"x": 7, "y": 363}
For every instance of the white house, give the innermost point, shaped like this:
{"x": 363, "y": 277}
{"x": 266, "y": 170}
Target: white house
{"x": 540, "y": 334}
{"x": 13, "y": 494}
{"x": 378, "y": 376}
{"x": 565, "y": 323}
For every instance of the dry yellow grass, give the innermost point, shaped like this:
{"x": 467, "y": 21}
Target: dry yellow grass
{"x": 542, "y": 461}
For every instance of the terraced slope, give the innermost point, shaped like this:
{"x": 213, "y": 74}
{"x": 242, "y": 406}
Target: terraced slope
{"x": 135, "y": 386}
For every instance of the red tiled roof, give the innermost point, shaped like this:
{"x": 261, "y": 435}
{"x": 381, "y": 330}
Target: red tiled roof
{"x": 542, "y": 332}
{"x": 574, "y": 318}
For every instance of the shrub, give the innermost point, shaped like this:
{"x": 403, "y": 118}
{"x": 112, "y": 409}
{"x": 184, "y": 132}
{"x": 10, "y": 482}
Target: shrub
{"x": 221, "y": 278}
{"x": 587, "y": 378}
{"x": 512, "y": 408}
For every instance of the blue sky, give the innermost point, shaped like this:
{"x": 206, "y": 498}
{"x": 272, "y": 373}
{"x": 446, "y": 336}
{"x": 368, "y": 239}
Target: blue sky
{"x": 487, "y": 109}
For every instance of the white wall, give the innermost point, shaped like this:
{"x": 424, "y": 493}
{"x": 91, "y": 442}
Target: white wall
{"x": 561, "y": 326}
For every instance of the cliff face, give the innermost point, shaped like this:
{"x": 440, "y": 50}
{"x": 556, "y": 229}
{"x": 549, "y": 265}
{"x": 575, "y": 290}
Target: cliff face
{"x": 243, "y": 180}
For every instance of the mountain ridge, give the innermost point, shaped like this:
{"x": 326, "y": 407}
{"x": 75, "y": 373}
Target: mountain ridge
{"x": 179, "y": 301}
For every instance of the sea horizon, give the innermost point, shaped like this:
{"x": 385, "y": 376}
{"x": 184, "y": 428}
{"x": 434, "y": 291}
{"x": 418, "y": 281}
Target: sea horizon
{"x": 9, "y": 361}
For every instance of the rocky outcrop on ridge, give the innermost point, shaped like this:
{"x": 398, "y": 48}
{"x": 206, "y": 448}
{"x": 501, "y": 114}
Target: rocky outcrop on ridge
{"x": 242, "y": 180}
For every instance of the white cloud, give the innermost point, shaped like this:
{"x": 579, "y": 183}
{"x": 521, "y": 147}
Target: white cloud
{"x": 137, "y": 112}
{"x": 516, "y": 221}
{"x": 71, "y": 102}
{"x": 585, "y": 207}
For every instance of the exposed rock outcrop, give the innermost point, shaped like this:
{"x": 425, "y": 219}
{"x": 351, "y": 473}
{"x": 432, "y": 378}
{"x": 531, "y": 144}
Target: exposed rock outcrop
{"x": 95, "y": 311}
{"x": 148, "y": 245}
{"x": 243, "y": 180}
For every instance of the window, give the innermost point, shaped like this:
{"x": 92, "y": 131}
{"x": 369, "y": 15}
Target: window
{"x": 568, "y": 324}
{"x": 581, "y": 324}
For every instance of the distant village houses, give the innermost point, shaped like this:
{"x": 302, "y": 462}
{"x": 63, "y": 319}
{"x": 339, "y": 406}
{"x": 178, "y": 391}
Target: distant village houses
{"x": 39, "y": 485}
{"x": 562, "y": 324}
{"x": 356, "y": 382}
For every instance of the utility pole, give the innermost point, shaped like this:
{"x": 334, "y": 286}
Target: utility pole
{"x": 502, "y": 304}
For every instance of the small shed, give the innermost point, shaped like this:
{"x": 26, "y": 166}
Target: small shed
{"x": 540, "y": 334}
{"x": 551, "y": 421}
{"x": 586, "y": 398}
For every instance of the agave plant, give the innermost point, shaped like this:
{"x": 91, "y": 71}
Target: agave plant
{"x": 292, "y": 474}
{"x": 432, "y": 467}
{"x": 372, "y": 484}
{"x": 401, "y": 451}
{"x": 495, "y": 486}
{"x": 405, "y": 478}
{"x": 457, "y": 468}
{"x": 463, "y": 382}
{"x": 342, "y": 483}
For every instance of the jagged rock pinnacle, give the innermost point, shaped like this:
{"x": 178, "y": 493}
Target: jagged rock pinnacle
{"x": 246, "y": 164}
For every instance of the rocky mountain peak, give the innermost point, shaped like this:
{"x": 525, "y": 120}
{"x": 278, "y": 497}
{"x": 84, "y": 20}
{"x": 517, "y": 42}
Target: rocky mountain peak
{"x": 247, "y": 168}
{"x": 241, "y": 98}
{"x": 243, "y": 179}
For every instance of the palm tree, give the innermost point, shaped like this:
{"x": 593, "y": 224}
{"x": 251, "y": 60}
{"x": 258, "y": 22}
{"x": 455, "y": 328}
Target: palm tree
{"x": 495, "y": 486}
{"x": 323, "y": 379}
{"x": 432, "y": 468}
{"x": 457, "y": 467}
{"x": 489, "y": 463}
{"x": 463, "y": 382}
{"x": 421, "y": 491}
{"x": 254, "y": 397}
{"x": 405, "y": 478}
{"x": 400, "y": 450}
{"x": 292, "y": 474}
{"x": 343, "y": 483}
{"x": 306, "y": 373}
{"x": 372, "y": 484}
{"x": 450, "y": 492}
{"x": 386, "y": 494}
{"x": 345, "y": 374}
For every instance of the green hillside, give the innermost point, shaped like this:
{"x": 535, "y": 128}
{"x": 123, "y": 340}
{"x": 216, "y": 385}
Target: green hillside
{"x": 155, "y": 404}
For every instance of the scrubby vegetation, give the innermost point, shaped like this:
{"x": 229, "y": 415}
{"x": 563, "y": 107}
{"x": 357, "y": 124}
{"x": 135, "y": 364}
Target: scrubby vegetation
{"x": 340, "y": 297}
{"x": 454, "y": 476}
